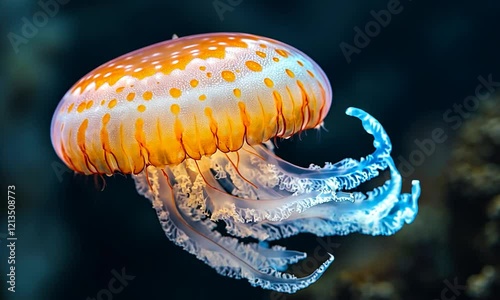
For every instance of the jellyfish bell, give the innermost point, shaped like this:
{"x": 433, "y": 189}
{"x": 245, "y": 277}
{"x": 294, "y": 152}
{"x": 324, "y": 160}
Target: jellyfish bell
{"x": 188, "y": 98}
{"x": 191, "y": 118}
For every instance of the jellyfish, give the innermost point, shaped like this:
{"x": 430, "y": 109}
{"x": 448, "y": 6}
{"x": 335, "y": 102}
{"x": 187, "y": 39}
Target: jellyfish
{"x": 192, "y": 120}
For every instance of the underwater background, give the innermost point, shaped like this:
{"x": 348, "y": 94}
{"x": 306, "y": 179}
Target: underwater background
{"x": 418, "y": 74}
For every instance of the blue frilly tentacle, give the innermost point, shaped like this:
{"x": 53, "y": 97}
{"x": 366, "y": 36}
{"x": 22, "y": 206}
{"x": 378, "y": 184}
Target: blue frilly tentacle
{"x": 261, "y": 196}
{"x": 195, "y": 233}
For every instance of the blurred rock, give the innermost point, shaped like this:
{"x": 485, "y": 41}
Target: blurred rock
{"x": 474, "y": 196}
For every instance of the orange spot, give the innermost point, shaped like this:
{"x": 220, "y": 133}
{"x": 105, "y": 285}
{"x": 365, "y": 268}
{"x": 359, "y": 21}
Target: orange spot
{"x": 276, "y": 59}
{"x": 282, "y": 52}
{"x": 203, "y": 68}
{"x": 262, "y": 45}
{"x": 81, "y": 107}
{"x": 268, "y": 82}
{"x": 105, "y": 119}
{"x": 260, "y": 53}
{"x": 228, "y": 76}
{"x": 103, "y": 101}
{"x": 208, "y": 111}
{"x": 70, "y": 108}
{"x": 237, "y": 92}
{"x": 202, "y": 97}
{"x": 300, "y": 63}
{"x": 141, "y": 66}
{"x": 277, "y": 98}
{"x": 89, "y": 104}
{"x": 254, "y": 66}
{"x": 175, "y": 92}
{"x": 175, "y": 109}
{"x": 310, "y": 73}
{"x": 209, "y": 74}
{"x": 194, "y": 82}
{"x": 141, "y": 108}
{"x": 301, "y": 86}
{"x": 112, "y": 103}
{"x": 147, "y": 95}
{"x": 290, "y": 73}
{"x": 120, "y": 89}
{"x": 130, "y": 96}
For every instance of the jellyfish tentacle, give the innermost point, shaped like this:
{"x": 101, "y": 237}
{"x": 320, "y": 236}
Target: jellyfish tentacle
{"x": 369, "y": 214}
{"x": 348, "y": 170}
{"x": 226, "y": 175}
{"x": 193, "y": 231}
{"x": 306, "y": 187}
{"x": 382, "y": 211}
{"x": 261, "y": 196}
